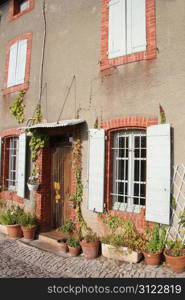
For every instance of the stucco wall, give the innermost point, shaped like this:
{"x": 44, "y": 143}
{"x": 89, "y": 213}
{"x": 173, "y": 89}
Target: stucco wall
{"x": 73, "y": 34}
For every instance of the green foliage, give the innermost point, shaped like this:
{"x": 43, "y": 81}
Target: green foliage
{"x": 37, "y": 118}
{"x": 175, "y": 248}
{"x": 27, "y": 220}
{"x": 68, "y": 227}
{"x": 113, "y": 222}
{"x": 162, "y": 115}
{"x": 96, "y": 123}
{"x": 11, "y": 216}
{"x": 90, "y": 237}
{"x": 173, "y": 203}
{"x": 77, "y": 197}
{"x": 2, "y": 205}
{"x": 73, "y": 242}
{"x": 157, "y": 239}
{"x": 17, "y": 108}
{"x": 37, "y": 142}
{"x": 182, "y": 219}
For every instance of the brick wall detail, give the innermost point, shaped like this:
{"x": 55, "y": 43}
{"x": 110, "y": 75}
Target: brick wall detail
{"x": 110, "y": 127}
{"x": 150, "y": 52}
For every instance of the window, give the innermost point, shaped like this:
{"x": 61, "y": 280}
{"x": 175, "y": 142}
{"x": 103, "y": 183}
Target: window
{"x": 20, "y": 6}
{"x": 129, "y": 170}
{"x": 17, "y": 63}
{"x": 13, "y": 163}
{"x": 127, "y": 27}
{"x": 128, "y": 32}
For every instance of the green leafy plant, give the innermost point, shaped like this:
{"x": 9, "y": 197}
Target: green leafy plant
{"x": 37, "y": 142}
{"x": 182, "y": 219}
{"x": 27, "y": 220}
{"x": 73, "y": 242}
{"x": 17, "y": 108}
{"x": 37, "y": 118}
{"x": 90, "y": 237}
{"x": 11, "y": 216}
{"x": 157, "y": 239}
{"x": 175, "y": 248}
{"x": 162, "y": 114}
{"x": 33, "y": 179}
{"x": 77, "y": 197}
{"x": 68, "y": 227}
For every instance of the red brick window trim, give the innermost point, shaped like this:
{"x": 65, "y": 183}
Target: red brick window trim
{"x": 25, "y": 85}
{"x": 150, "y": 52}
{"x": 5, "y": 193}
{"x": 110, "y": 127}
{"x": 14, "y": 10}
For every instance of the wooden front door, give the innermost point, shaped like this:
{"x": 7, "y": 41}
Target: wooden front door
{"x": 61, "y": 184}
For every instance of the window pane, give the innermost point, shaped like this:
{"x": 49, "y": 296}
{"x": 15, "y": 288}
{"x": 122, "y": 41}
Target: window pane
{"x": 136, "y": 145}
{"x": 136, "y": 170}
{"x": 123, "y": 169}
{"x": 143, "y": 170}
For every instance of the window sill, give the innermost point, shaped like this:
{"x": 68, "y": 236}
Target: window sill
{"x": 15, "y": 88}
{"x": 125, "y": 208}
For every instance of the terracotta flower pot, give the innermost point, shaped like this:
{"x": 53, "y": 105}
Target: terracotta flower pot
{"x": 152, "y": 258}
{"x": 74, "y": 251}
{"x": 63, "y": 246}
{"x": 29, "y": 232}
{"x": 90, "y": 249}
{"x": 176, "y": 263}
{"x": 14, "y": 231}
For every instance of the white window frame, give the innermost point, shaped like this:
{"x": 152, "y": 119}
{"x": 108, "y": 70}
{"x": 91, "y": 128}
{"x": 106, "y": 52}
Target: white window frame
{"x": 13, "y": 161}
{"x": 129, "y": 180}
{"x": 127, "y": 31}
{"x": 17, "y": 62}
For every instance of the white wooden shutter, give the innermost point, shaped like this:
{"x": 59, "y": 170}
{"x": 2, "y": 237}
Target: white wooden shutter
{"x": 21, "y": 61}
{"x": 0, "y": 155}
{"x": 136, "y": 26}
{"x": 12, "y": 65}
{"x": 21, "y": 166}
{"x": 96, "y": 169}
{"x": 158, "y": 174}
{"x": 117, "y": 29}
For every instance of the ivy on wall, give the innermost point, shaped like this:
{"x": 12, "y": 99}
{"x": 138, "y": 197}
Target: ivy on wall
{"x": 77, "y": 197}
{"x": 17, "y": 108}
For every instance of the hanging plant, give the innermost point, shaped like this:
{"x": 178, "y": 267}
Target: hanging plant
{"x": 37, "y": 142}
{"x": 17, "y": 108}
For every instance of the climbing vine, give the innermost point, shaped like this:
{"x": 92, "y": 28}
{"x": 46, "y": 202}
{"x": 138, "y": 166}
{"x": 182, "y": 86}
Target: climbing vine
{"x": 78, "y": 195}
{"x": 37, "y": 118}
{"x": 17, "y": 108}
{"x": 37, "y": 142}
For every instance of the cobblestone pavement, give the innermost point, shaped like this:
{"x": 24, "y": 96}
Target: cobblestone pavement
{"x": 20, "y": 260}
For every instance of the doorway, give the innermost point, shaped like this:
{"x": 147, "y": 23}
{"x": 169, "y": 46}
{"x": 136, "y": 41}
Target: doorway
{"x": 61, "y": 183}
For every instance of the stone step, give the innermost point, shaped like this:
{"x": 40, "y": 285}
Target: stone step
{"x": 51, "y": 237}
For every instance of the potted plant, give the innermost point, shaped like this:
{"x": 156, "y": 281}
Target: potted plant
{"x": 28, "y": 224}
{"x": 117, "y": 246}
{"x": 67, "y": 229}
{"x": 175, "y": 255}
{"x": 90, "y": 245}
{"x": 74, "y": 246}
{"x": 155, "y": 244}
{"x": 33, "y": 181}
{"x": 10, "y": 218}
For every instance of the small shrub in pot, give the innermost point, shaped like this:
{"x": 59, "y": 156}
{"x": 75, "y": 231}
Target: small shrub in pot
{"x": 10, "y": 218}
{"x": 90, "y": 246}
{"x": 175, "y": 255}
{"x": 28, "y": 224}
{"x": 74, "y": 246}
